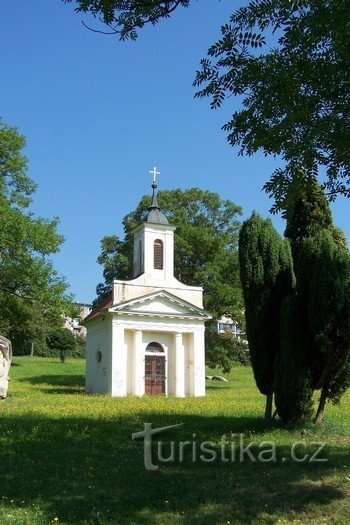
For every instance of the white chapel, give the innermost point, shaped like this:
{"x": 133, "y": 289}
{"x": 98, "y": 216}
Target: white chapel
{"x": 148, "y": 336}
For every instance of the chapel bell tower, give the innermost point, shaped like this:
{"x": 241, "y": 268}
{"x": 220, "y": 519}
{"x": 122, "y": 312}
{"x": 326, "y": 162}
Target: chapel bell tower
{"x": 154, "y": 242}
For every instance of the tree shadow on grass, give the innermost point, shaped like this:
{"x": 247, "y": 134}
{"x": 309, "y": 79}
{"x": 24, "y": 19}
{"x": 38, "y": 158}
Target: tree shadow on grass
{"x": 90, "y": 471}
{"x": 70, "y": 383}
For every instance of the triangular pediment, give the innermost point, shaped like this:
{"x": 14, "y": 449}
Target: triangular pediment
{"x": 160, "y": 304}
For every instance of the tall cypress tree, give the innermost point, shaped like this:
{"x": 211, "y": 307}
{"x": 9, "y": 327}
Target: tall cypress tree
{"x": 306, "y": 210}
{"x": 267, "y": 277}
{"x": 293, "y": 387}
{"x": 299, "y": 337}
{"x": 321, "y": 263}
{"x": 323, "y": 290}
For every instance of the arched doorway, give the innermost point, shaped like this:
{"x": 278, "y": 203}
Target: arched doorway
{"x": 155, "y": 369}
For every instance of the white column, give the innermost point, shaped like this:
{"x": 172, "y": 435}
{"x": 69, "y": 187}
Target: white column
{"x": 139, "y": 365}
{"x": 119, "y": 356}
{"x": 190, "y": 364}
{"x": 179, "y": 366}
{"x": 198, "y": 363}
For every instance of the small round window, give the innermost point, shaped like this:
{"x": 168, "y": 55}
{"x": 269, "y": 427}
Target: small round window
{"x": 98, "y": 356}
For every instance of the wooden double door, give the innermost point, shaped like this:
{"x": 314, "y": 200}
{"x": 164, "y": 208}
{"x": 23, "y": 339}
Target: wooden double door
{"x": 155, "y": 375}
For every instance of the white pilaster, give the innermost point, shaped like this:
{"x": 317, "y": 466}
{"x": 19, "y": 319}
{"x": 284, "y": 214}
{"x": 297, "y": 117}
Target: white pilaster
{"x": 139, "y": 365}
{"x": 179, "y": 366}
{"x": 198, "y": 363}
{"x": 119, "y": 357}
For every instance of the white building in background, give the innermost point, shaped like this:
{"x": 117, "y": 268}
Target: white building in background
{"x": 74, "y": 324}
{"x": 227, "y": 325}
{"x": 148, "y": 336}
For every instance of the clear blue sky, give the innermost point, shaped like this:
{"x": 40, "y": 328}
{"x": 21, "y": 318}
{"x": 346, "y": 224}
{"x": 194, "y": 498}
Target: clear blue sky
{"x": 98, "y": 114}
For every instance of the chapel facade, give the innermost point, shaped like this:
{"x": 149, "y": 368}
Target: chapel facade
{"x": 148, "y": 336}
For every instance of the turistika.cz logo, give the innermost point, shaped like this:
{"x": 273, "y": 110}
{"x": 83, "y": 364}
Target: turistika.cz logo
{"x": 237, "y": 449}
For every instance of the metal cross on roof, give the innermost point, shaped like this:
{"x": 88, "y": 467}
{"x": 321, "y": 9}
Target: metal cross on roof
{"x": 154, "y": 173}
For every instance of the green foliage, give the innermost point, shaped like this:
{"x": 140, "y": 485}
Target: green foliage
{"x": 322, "y": 296}
{"x": 32, "y": 294}
{"x": 205, "y": 246}
{"x": 338, "y": 382}
{"x": 80, "y": 347}
{"x": 63, "y": 341}
{"x": 126, "y": 18}
{"x": 116, "y": 259}
{"x": 293, "y": 392}
{"x": 305, "y": 209}
{"x": 27, "y": 323}
{"x": 295, "y": 93}
{"x": 320, "y": 333}
{"x": 41, "y": 349}
{"x": 78, "y": 352}
{"x": 73, "y": 310}
{"x": 267, "y": 278}
{"x": 323, "y": 289}
{"x": 314, "y": 323}
{"x": 304, "y": 206}
{"x": 223, "y": 351}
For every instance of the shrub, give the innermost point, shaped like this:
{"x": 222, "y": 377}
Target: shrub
{"x": 63, "y": 341}
{"x": 223, "y": 351}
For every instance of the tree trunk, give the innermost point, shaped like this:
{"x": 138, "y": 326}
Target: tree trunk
{"x": 268, "y": 407}
{"x": 319, "y": 415}
{"x": 31, "y": 349}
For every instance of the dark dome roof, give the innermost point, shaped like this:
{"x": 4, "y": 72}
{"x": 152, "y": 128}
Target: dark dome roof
{"x": 155, "y": 214}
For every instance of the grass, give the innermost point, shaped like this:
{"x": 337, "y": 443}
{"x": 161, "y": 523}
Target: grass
{"x": 68, "y": 458}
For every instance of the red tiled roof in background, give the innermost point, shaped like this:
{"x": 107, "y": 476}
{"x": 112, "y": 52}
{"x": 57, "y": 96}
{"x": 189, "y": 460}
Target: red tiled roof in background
{"x": 103, "y": 305}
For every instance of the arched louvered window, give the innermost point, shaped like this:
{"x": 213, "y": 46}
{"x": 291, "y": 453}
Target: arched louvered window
{"x": 154, "y": 347}
{"x": 158, "y": 254}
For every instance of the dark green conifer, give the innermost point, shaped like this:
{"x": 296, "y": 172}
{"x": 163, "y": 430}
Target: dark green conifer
{"x": 323, "y": 291}
{"x": 267, "y": 277}
{"x": 305, "y": 209}
{"x": 293, "y": 392}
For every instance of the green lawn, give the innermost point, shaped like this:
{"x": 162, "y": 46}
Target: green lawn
{"x": 67, "y": 457}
